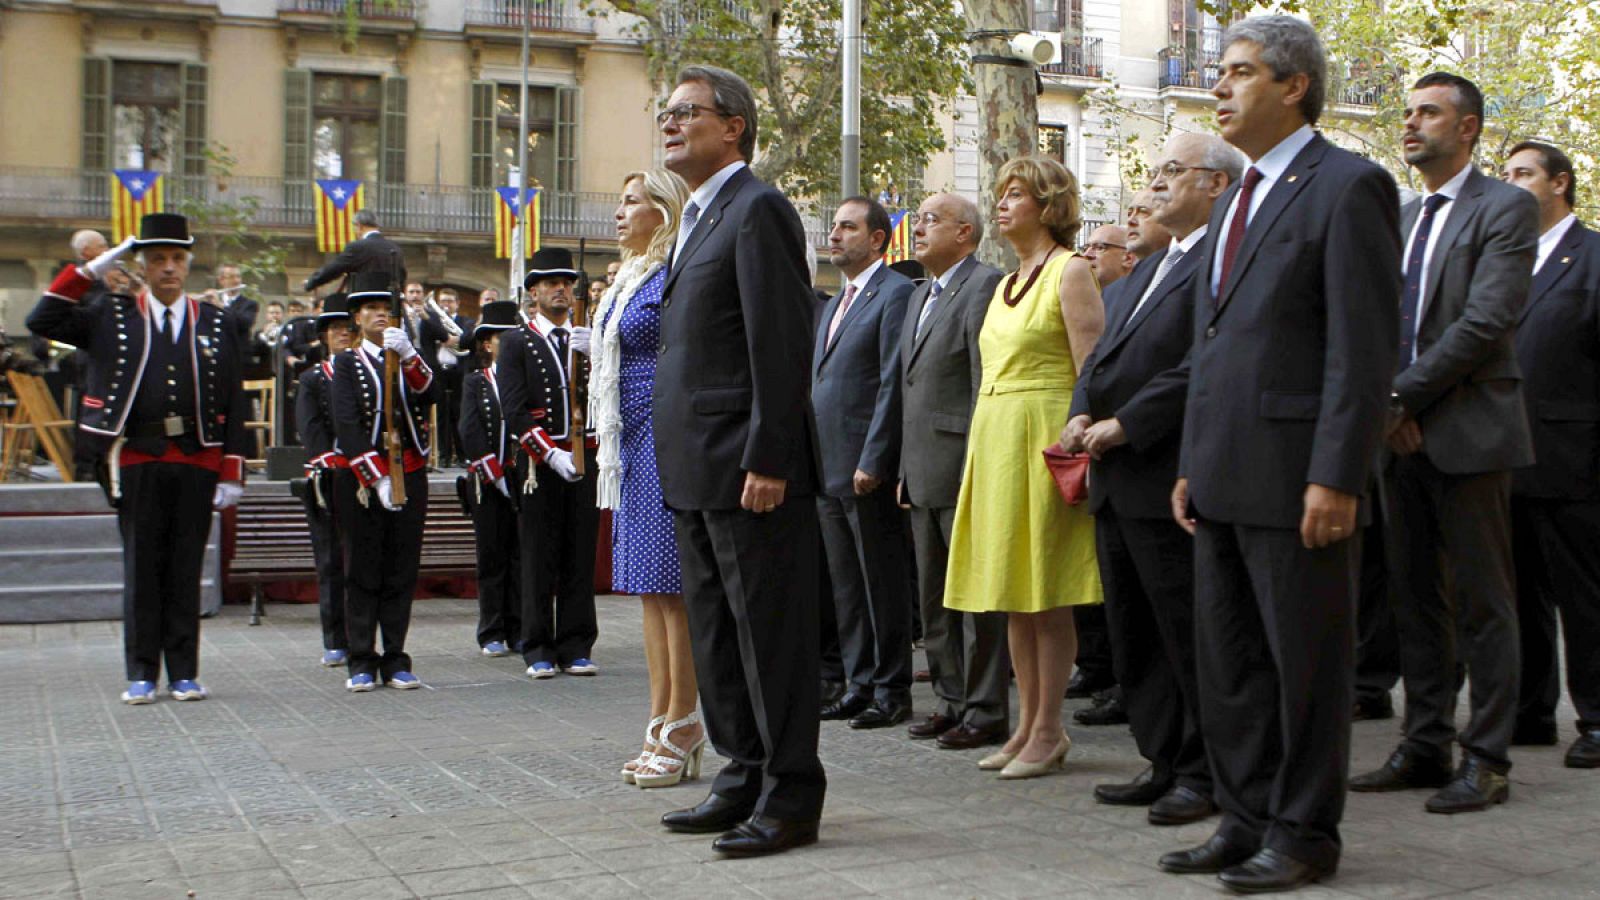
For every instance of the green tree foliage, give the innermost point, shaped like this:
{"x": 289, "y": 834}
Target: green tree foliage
{"x": 913, "y": 65}
{"x": 222, "y": 220}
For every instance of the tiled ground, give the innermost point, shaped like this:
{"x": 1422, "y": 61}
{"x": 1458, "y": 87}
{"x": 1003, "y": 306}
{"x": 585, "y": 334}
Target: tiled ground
{"x": 486, "y": 784}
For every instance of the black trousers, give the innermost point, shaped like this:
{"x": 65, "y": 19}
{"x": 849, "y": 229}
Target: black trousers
{"x": 165, "y": 518}
{"x": 1556, "y": 544}
{"x": 494, "y": 525}
{"x": 968, "y": 659}
{"x": 382, "y": 551}
{"x": 328, "y": 552}
{"x": 1453, "y": 583}
{"x": 1095, "y": 657}
{"x": 866, "y": 546}
{"x": 827, "y": 626}
{"x": 1377, "y": 635}
{"x": 1275, "y": 638}
{"x": 749, "y": 584}
{"x": 557, "y": 531}
{"x": 449, "y": 441}
{"x": 1147, "y": 568}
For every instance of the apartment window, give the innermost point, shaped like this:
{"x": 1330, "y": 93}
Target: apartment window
{"x": 346, "y": 126}
{"x": 1053, "y": 142}
{"x": 146, "y": 115}
{"x": 1065, "y": 16}
{"x": 541, "y": 133}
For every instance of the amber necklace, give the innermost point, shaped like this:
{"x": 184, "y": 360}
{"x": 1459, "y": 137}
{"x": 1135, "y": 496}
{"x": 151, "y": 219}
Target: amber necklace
{"x": 1028, "y": 285}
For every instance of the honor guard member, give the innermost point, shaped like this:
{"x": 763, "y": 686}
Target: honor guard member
{"x": 559, "y": 521}
{"x": 164, "y": 394}
{"x": 382, "y": 538}
{"x": 490, "y": 452}
{"x": 313, "y": 416}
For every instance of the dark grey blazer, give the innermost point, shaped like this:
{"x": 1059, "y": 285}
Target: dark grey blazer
{"x": 940, "y": 376}
{"x": 1290, "y": 369}
{"x": 855, "y": 384}
{"x": 372, "y": 253}
{"x": 1465, "y": 388}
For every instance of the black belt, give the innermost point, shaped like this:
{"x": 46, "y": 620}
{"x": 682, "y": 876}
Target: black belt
{"x": 170, "y": 427}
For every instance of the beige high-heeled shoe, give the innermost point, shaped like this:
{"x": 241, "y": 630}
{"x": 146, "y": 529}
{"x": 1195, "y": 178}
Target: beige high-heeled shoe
{"x": 1056, "y": 761}
{"x": 652, "y": 736}
{"x": 671, "y": 763}
{"x": 996, "y": 760}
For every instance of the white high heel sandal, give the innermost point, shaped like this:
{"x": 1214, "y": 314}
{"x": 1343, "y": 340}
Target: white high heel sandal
{"x": 663, "y": 770}
{"x": 652, "y": 737}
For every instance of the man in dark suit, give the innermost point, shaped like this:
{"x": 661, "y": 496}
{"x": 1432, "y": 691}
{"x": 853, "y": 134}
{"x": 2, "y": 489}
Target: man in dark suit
{"x": 855, "y": 399}
{"x": 230, "y": 297}
{"x": 1294, "y": 349}
{"x": 1457, "y": 428}
{"x": 1127, "y": 412}
{"x": 967, "y": 660}
{"x": 1555, "y": 504}
{"x": 734, "y": 450}
{"x": 372, "y": 252}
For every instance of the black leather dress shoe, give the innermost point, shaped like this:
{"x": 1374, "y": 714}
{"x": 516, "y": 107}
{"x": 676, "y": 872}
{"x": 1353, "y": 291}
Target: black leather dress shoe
{"x": 1180, "y": 806}
{"x": 1379, "y": 706}
{"x": 971, "y": 737}
{"x": 1407, "y": 769}
{"x": 931, "y": 727}
{"x": 715, "y": 813}
{"x": 1106, "y": 711}
{"x": 882, "y": 715}
{"x": 1585, "y": 751}
{"x": 1534, "y": 733}
{"x": 1270, "y": 871}
{"x": 847, "y": 707}
{"x": 764, "y": 834}
{"x": 1476, "y": 787}
{"x": 831, "y": 691}
{"x": 1209, "y": 858}
{"x": 1141, "y": 791}
{"x": 1083, "y": 685}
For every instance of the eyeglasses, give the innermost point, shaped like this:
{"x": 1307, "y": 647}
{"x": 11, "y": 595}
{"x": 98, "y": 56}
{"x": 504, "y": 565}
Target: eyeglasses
{"x": 927, "y": 220}
{"x": 1173, "y": 170}
{"x": 1102, "y": 246}
{"x": 684, "y": 113}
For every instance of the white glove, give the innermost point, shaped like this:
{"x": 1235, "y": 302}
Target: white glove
{"x": 581, "y": 338}
{"x": 561, "y": 461}
{"x": 100, "y": 265}
{"x": 395, "y": 339}
{"x": 386, "y": 493}
{"x": 500, "y": 485}
{"x": 227, "y": 494}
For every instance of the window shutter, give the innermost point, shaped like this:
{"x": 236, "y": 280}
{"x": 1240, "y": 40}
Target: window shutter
{"x": 96, "y": 142}
{"x": 392, "y": 148}
{"x": 480, "y": 164}
{"x": 563, "y": 207}
{"x": 297, "y": 141}
{"x": 192, "y": 147}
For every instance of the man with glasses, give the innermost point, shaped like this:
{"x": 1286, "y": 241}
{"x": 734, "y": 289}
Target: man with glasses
{"x": 1107, "y": 253}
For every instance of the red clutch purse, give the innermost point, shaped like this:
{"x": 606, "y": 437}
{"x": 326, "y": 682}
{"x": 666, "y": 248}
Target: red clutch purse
{"x": 1071, "y": 472}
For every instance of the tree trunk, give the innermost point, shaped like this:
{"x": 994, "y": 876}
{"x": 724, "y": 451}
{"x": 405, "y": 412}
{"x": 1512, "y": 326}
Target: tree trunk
{"x": 1008, "y": 108}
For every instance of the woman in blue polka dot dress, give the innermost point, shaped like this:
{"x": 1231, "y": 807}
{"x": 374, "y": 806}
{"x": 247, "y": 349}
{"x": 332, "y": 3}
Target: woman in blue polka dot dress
{"x": 644, "y": 556}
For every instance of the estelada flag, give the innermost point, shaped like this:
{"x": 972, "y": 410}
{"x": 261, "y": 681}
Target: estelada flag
{"x": 337, "y": 201}
{"x": 899, "y": 237}
{"x": 505, "y": 221}
{"x": 135, "y": 193}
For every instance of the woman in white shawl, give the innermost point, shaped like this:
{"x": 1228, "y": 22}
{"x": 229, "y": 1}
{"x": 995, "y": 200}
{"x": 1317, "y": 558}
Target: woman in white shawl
{"x": 644, "y": 556}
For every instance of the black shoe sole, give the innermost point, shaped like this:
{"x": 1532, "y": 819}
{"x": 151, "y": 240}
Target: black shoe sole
{"x": 697, "y": 828}
{"x": 740, "y": 852}
{"x": 1476, "y": 807}
{"x": 1275, "y": 887}
{"x": 1155, "y": 818}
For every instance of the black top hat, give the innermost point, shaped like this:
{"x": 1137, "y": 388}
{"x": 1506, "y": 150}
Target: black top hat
{"x": 497, "y": 315}
{"x": 164, "y": 229}
{"x": 366, "y": 287}
{"x": 548, "y": 262}
{"x": 335, "y": 307}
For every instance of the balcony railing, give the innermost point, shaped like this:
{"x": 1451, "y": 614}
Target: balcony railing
{"x": 542, "y": 15}
{"x": 365, "y": 9}
{"x": 1195, "y": 64}
{"x": 1082, "y": 58}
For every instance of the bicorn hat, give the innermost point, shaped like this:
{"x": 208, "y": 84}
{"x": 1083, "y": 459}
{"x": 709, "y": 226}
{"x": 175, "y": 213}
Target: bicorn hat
{"x": 549, "y": 262}
{"x": 163, "y": 230}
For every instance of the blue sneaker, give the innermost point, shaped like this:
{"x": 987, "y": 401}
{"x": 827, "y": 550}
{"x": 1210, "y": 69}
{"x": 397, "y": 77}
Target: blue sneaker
{"x": 333, "y": 658}
{"x": 496, "y": 648}
{"x": 581, "y": 666}
{"x": 139, "y": 693}
{"x": 360, "y": 684}
{"x": 187, "y": 689}
{"x": 404, "y": 681}
{"x": 541, "y": 670}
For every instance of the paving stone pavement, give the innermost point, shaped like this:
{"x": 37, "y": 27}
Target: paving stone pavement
{"x": 488, "y": 785}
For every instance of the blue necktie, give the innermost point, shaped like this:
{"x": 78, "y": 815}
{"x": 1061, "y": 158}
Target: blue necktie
{"x": 1411, "y": 299}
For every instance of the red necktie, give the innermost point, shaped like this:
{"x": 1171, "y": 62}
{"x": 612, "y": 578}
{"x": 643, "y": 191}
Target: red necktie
{"x": 1241, "y": 221}
{"x": 844, "y": 307}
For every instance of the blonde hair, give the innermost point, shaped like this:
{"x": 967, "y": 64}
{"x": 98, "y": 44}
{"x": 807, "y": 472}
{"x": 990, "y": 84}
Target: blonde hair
{"x": 667, "y": 194}
{"x": 1053, "y": 187}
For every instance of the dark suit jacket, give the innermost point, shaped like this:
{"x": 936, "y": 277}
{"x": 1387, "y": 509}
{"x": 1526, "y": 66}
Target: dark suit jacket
{"x": 372, "y": 253}
{"x": 855, "y": 384}
{"x": 1290, "y": 370}
{"x": 734, "y": 364}
{"x": 1465, "y": 388}
{"x": 941, "y": 373}
{"x": 1558, "y": 345}
{"x": 241, "y": 313}
{"x": 1135, "y": 374}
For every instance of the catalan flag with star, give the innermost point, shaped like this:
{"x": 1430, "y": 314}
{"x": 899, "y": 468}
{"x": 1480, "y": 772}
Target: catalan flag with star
{"x": 899, "y": 237}
{"x": 505, "y": 222}
{"x": 135, "y": 193}
{"x": 338, "y": 200}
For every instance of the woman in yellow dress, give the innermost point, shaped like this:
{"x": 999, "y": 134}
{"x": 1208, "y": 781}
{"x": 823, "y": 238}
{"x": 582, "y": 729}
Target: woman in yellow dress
{"x": 1016, "y": 547}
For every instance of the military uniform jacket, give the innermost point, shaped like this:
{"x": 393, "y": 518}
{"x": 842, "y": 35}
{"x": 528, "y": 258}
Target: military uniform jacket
{"x": 533, "y": 390}
{"x": 115, "y": 332}
{"x": 358, "y": 411}
{"x": 313, "y": 417}
{"x": 483, "y": 425}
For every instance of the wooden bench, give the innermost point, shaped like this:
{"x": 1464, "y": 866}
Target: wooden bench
{"x": 272, "y": 542}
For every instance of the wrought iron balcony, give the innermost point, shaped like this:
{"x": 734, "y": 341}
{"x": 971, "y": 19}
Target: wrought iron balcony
{"x": 1081, "y": 58}
{"x": 542, "y": 15}
{"x": 368, "y": 10}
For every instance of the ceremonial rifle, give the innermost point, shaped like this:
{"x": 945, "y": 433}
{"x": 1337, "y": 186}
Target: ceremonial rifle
{"x": 579, "y": 317}
{"x": 391, "y": 396}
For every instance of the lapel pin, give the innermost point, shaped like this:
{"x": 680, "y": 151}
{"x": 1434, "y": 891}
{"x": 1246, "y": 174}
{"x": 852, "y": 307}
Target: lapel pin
{"x": 1292, "y": 178}
{"x": 1565, "y": 260}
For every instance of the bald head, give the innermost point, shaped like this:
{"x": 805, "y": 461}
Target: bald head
{"x": 1145, "y": 234}
{"x": 1107, "y": 253}
{"x": 946, "y": 230}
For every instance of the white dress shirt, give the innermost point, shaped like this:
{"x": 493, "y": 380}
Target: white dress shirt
{"x": 1185, "y": 246}
{"x": 1549, "y": 240}
{"x": 1271, "y": 165}
{"x": 158, "y": 311}
{"x": 702, "y": 196}
{"x": 1450, "y": 190}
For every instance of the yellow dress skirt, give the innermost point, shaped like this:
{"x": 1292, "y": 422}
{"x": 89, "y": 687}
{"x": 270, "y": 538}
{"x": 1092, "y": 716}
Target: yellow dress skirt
{"x": 1016, "y": 546}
